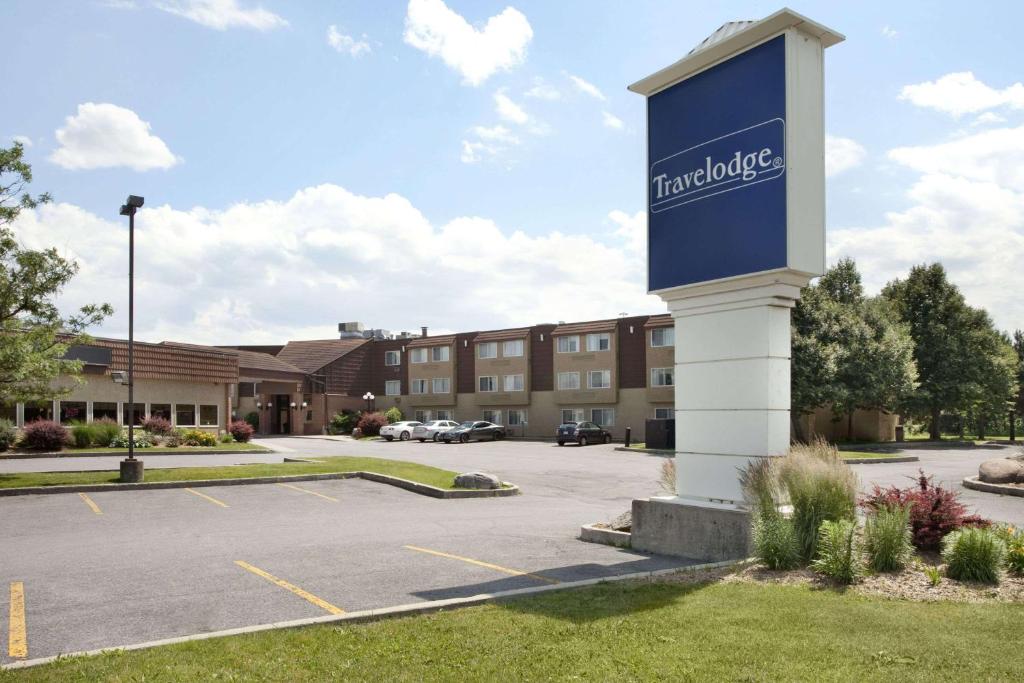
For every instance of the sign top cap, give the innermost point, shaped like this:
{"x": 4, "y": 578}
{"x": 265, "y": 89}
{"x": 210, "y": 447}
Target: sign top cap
{"x": 730, "y": 38}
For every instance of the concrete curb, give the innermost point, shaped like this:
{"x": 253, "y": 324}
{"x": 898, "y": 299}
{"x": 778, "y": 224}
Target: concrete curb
{"x": 413, "y": 486}
{"x": 871, "y": 461}
{"x": 141, "y": 452}
{"x": 365, "y": 616}
{"x": 1001, "y": 489}
{"x": 591, "y": 533}
{"x": 653, "y": 451}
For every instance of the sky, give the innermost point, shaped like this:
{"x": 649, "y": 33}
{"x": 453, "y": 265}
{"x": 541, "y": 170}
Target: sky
{"x": 467, "y": 165}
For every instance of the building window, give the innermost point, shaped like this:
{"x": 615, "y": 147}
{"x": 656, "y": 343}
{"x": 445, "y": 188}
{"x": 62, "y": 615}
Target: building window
{"x": 601, "y": 341}
{"x": 513, "y": 382}
{"x": 493, "y": 416}
{"x": 569, "y": 344}
{"x": 139, "y": 414}
{"x": 662, "y": 413}
{"x": 663, "y": 336}
{"x": 512, "y": 348}
{"x": 439, "y": 354}
{"x": 38, "y": 410}
{"x": 599, "y": 379}
{"x": 442, "y": 414}
{"x": 392, "y": 387}
{"x": 572, "y": 415}
{"x": 488, "y": 383}
{"x": 516, "y": 418}
{"x": 72, "y": 411}
{"x": 419, "y": 386}
{"x": 246, "y": 389}
{"x": 208, "y": 416}
{"x": 418, "y": 356}
{"x": 603, "y": 416}
{"x": 422, "y": 416}
{"x": 160, "y": 410}
{"x": 104, "y": 411}
{"x": 662, "y": 377}
{"x": 487, "y": 350}
{"x": 184, "y": 415}
{"x": 392, "y": 358}
{"x": 568, "y": 381}
{"x": 441, "y": 385}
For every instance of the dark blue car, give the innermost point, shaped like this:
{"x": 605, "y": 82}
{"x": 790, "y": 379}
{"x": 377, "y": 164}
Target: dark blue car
{"x": 581, "y": 433}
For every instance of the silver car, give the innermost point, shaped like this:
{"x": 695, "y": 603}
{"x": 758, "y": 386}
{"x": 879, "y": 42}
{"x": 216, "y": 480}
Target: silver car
{"x": 431, "y": 430}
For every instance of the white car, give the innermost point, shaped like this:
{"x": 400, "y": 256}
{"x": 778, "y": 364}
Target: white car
{"x": 430, "y": 430}
{"x": 401, "y": 430}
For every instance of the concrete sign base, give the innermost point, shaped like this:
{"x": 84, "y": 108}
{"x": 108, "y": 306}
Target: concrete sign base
{"x": 666, "y": 527}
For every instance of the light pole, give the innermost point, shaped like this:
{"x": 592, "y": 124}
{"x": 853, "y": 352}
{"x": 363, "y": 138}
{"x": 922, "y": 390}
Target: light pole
{"x": 368, "y": 397}
{"x": 131, "y": 469}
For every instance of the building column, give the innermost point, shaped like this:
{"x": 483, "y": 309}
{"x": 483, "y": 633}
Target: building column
{"x": 732, "y": 383}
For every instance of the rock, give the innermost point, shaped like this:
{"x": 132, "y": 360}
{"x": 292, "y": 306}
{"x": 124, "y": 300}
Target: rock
{"x": 1002, "y": 471}
{"x": 477, "y": 480}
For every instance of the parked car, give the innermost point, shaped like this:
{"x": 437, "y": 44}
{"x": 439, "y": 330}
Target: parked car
{"x": 401, "y": 430}
{"x": 473, "y": 429}
{"x": 433, "y": 429}
{"x": 582, "y": 433}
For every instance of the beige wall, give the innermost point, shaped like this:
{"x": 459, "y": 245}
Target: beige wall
{"x": 659, "y": 357}
{"x": 582, "y": 362}
{"x": 499, "y": 367}
{"x": 429, "y": 371}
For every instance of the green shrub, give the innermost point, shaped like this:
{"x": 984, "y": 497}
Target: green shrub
{"x": 775, "y": 542}
{"x": 8, "y": 434}
{"x": 140, "y": 438}
{"x": 934, "y": 575}
{"x": 227, "y": 438}
{"x": 973, "y": 554}
{"x": 198, "y": 437}
{"x": 253, "y": 418}
{"x": 1014, "y": 540}
{"x": 105, "y": 430}
{"x": 821, "y": 487}
{"x": 174, "y": 439}
{"x": 83, "y": 434}
{"x": 838, "y": 551}
{"x": 392, "y": 415}
{"x": 343, "y": 422}
{"x": 887, "y": 539}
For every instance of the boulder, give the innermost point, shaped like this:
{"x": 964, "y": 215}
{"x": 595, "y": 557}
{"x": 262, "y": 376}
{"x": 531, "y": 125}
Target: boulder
{"x": 1002, "y": 471}
{"x": 477, "y": 480}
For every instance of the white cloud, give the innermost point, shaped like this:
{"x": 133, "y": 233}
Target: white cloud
{"x": 490, "y": 143}
{"x": 205, "y": 274}
{"x": 25, "y": 141}
{"x": 509, "y": 110}
{"x": 119, "y": 4}
{"x": 889, "y": 32}
{"x": 343, "y": 43}
{"x": 587, "y": 88}
{"x": 611, "y": 120}
{"x": 223, "y": 14}
{"x": 966, "y": 210}
{"x": 842, "y": 154}
{"x": 103, "y": 135}
{"x": 477, "y": 54}
{"x": 987, "y": 118}
{"x": 542, "y": 90}
{"x": 961, "y": 93}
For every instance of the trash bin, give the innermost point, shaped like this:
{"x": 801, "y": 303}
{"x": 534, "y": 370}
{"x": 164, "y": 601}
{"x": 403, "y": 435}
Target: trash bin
{"x": 899, "y": 432}
{"x": 660, "y": 434}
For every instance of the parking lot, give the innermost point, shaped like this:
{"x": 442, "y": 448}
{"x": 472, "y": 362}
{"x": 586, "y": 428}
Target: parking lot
{"x": 115, "y": 568}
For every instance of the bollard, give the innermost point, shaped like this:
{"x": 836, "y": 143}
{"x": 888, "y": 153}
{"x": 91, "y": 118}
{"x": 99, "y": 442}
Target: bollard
{"x": 628, "y": 433}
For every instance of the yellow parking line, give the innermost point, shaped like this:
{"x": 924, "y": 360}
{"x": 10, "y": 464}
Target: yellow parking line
{"x": 91, "y": 504}
{"x": 312, "y": 493}
{"x": 488, "y": 565}
{"x": 17, "y": 640}
{"x": 322, "y": 604}
{"x": 209, "y": 498}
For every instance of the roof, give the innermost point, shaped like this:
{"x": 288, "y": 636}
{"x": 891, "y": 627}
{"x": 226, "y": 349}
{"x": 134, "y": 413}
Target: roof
{"x": 579, "y": 328}
{"x": 171, "y": 361}
{"x": 311, "y": 355}
{"x": 249, "y": 360}
{"x": 502, "y": 335}
{"x": 431, "y": 341}
{"x": 664, "y": 320}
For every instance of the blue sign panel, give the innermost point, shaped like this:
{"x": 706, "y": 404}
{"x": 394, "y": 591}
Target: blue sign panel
{"x": 717, "y": 175}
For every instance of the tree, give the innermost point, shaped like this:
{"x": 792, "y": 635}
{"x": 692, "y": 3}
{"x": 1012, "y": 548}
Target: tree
{"x": 961, "y": 362}
{"x": 850, "y": 352}
{"x": 34, "y": 336}
{"x": 1018, "y": 346}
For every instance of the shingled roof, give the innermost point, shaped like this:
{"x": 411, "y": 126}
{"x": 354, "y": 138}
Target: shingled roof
{"x": 311, "y": 355}
{"x": 172, "y": 361}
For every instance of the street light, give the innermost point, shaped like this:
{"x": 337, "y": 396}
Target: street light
{"x": 131, "y": 469}
{"x": 368, "y": 397}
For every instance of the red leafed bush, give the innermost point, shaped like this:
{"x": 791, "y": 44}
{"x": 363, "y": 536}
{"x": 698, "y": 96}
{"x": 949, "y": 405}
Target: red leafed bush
{"x": 155, "y": 424}
{"x": 44, "y": 435}
{"x": 370, "y": 423}
{"x": 241, "y": 430}
{"x": 934, "y": 511}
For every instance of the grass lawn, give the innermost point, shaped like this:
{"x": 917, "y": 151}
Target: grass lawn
{"x": 611, "y": 632}
{"x": 406, "y": 470}
{"x": 868, "y": 454}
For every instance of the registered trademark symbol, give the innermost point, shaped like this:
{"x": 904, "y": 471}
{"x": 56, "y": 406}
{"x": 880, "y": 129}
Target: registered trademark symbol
{"x": 777, "y": 162}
